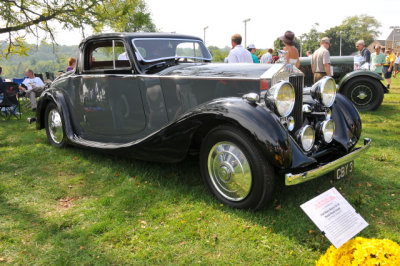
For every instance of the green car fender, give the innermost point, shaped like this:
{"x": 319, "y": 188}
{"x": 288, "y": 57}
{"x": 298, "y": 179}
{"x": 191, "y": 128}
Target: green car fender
{"x": 359, "y": 73}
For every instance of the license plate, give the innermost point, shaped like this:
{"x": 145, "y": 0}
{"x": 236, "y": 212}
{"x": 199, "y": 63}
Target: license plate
{"x": 344, "y": 170}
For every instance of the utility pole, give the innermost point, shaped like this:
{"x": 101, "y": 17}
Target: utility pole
{"x": 245, "y": 32}
{"x": 340, "y": 49}
{"x": 205, "y": 28}
{"x": 301, "y": 46}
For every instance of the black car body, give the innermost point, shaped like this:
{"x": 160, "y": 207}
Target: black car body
{"x": 363, "y": 87}
{"x": 250, "y": 123}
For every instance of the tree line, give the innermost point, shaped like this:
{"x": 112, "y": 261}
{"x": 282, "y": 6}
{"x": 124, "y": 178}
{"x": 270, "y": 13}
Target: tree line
{"x": 21, "y": 19}
{"x": 352, "y": 29}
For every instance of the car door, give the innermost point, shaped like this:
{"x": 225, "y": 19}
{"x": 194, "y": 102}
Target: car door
{"x": 111, "y": 107}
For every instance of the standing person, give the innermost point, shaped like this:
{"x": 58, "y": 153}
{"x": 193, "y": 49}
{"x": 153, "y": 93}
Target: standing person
{"x": 292, "y": 55}
{"x": 33, "y": 86}
{"x": 71, "y": 64}
{"x": 377, "y": 60}
{"x": 309, "y": 54}
{"x": 396, "y": 65}
{"x": 364, "y": 52}
{"x": 267, "y": 58}
{"x": 321, "y": 60}
{"x": 252, "y": 49}
{"x": 388, "y": 68}
{"x": 1, "y": 79}
{"x": 238, "y": 54}
{"x": 1, "y": 85}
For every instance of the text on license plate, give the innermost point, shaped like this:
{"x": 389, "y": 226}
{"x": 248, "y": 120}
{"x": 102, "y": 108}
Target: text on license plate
{"x": 344, "y": 170}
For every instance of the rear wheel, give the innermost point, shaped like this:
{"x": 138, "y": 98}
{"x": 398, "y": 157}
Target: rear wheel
{"x": 365, "y": 93}
{"x": 55, "y": 126}
{"x": 234, "y": 169}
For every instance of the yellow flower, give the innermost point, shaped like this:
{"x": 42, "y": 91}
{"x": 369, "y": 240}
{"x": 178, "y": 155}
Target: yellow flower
{"x": 362, "y": 251}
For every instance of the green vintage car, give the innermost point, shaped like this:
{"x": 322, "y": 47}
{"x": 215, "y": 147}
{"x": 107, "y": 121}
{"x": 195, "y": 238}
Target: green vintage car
{"x": 363, "y": 87}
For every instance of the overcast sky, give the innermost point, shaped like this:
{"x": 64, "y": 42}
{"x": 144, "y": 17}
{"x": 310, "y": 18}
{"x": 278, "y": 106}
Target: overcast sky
{"x": 269, "y": 19}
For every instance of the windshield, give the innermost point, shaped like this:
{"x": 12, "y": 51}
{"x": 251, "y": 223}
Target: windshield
{"x": 152, "y": 49}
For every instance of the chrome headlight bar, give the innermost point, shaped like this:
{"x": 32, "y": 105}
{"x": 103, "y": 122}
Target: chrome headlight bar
{"x": 324, "y": 91}
{"x": 281, "y": 98}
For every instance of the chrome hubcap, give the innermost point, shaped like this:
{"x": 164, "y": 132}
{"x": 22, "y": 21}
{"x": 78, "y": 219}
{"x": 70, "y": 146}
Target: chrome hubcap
{"x": 361, "y": 95}
{"x": 229, "y": 171}
{"x": 55, "y": 126}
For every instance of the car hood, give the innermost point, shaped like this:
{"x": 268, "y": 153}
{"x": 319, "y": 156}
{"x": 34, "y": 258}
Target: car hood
{"x": 220, "y": 70}
{"x": 304, "y": 61}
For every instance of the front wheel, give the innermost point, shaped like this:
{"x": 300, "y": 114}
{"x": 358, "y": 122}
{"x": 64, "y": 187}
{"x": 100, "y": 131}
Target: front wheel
{"x": 365, "y": 93}
{"x": 235, "y": 170}
{"x": 55, "y": 126}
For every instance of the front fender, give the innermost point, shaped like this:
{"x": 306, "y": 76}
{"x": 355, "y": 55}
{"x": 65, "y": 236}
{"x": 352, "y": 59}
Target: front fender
{"x": 347, "y": 122}
{"x": 359, "y": 73}
{"x": 259, "y": 122}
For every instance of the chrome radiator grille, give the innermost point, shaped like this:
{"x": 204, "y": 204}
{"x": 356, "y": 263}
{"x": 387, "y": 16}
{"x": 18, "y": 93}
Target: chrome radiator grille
{"x": 297, "y": 113}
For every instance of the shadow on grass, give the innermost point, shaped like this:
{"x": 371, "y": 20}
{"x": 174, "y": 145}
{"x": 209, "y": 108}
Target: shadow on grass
{"x": 122, "y": 191}
{"x": 67, "y": 247}
{"x": 182, "y": 181}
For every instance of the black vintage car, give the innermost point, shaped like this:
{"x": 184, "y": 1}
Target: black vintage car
{"x": 363, "y": 87}
{"x": 157, "y": 97}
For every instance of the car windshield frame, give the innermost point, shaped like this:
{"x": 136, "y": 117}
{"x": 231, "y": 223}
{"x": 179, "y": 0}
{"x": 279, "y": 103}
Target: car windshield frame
{"x": 201, "y": 45}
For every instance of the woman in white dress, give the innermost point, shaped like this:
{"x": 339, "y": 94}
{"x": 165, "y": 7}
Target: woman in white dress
{"x": 292, "y": 55}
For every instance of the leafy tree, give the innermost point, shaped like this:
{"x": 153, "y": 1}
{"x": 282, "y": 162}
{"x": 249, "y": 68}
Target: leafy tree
{"x": 311, "y": 39}
{"x": 40, "y": 59}
{"x": 132, "y": 16}
{"x": 218, "y": 53}
{"x": 20, "y": 18}
{"x": 352, "y": 29}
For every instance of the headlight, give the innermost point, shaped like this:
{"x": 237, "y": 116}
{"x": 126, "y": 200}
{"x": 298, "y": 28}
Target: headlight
{"x": 324, "y": 91}
{"x": 327, "y": 130}
{"x": 306, "y": 137}
{"x": 281, "y": 98}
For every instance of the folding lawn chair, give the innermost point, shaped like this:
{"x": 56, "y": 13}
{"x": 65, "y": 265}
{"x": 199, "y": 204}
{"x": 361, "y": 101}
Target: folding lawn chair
{"x": 10, "y": 104}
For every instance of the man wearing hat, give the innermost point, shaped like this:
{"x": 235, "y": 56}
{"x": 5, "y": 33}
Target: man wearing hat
{"x": 252, "y": 49}
{"x": 238, "y": 54}
{"x": 321, "y": 61}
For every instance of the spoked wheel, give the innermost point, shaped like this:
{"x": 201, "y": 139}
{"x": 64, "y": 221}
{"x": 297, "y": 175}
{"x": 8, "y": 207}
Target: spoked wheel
{"x": 55, "y": 126}
{"x": 235, "y": 170}
{"x": 366, "y": 94}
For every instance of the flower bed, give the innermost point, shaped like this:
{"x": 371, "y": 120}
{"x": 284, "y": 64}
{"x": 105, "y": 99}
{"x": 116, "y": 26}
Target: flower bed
{"x": 363, "y": 251}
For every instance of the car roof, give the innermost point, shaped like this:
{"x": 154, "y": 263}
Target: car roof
{"x": 134, "y": 35}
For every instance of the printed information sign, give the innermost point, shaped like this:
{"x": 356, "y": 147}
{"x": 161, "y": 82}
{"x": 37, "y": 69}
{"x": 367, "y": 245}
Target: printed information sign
{"x": 334, "y": 216}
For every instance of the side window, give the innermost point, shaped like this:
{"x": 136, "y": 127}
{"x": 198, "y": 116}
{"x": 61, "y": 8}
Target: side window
{"x": 106, "y": 55}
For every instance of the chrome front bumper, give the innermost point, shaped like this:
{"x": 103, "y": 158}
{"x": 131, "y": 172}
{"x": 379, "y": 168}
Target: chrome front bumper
{"x": 291, "y": 179}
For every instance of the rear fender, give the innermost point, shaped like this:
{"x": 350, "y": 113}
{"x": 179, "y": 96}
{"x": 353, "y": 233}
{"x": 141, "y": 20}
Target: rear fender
{"x": 59, "y": 100}
{"x": 359, "y": 73}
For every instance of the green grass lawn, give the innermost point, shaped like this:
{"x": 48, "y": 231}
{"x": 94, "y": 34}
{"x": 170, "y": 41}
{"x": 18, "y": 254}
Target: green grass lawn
{"x": 74, "y": 206}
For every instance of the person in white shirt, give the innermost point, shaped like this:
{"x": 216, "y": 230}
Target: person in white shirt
{"x": 32, "y": 86}
{"x": 239, "y": 54}
{"x": 267, "y": 58}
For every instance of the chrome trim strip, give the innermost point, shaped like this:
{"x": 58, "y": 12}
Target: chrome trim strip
{"x": 291, "y": 179}
{"x": 272, "y": 71}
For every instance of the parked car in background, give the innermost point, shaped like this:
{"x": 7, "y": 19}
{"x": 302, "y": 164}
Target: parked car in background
{"x": 363, "y": 87}
{"x": 157, "y": 97}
